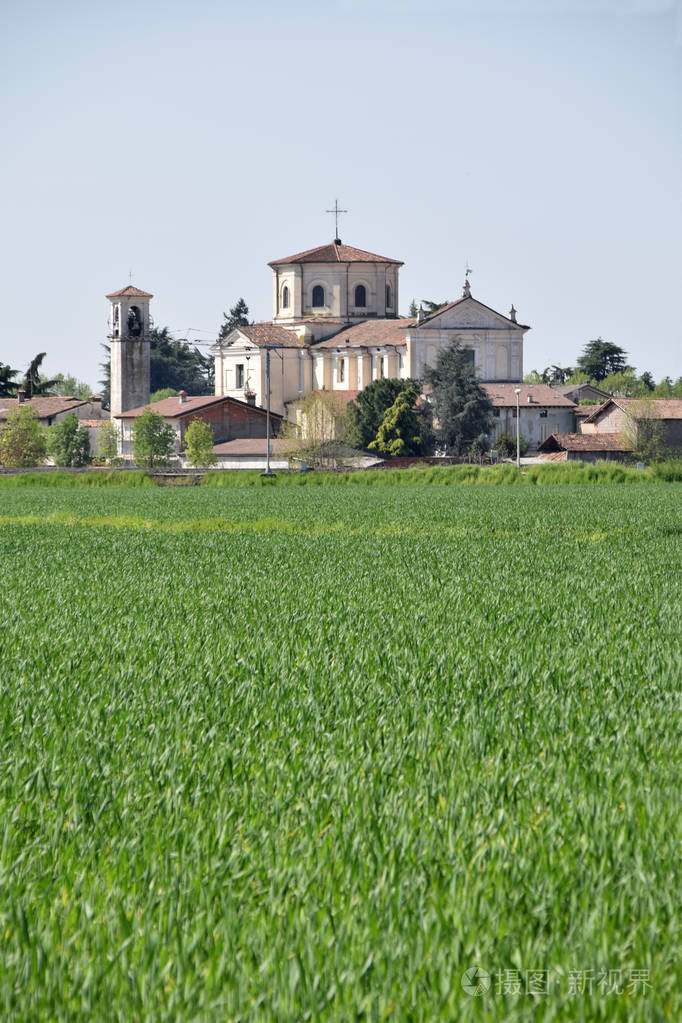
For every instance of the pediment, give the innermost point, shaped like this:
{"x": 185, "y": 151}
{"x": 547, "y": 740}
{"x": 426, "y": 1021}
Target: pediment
{"x": 469, "y": 313}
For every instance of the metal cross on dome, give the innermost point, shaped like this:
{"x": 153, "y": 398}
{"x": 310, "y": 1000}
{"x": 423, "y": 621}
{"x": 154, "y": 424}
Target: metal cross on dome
{"x": 336, "y": 212}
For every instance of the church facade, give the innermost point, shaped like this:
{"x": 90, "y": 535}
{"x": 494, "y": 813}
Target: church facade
{"x": 336, "y": 328}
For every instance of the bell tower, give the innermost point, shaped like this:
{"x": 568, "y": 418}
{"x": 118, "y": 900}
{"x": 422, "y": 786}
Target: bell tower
{"x": 129, "y": 326}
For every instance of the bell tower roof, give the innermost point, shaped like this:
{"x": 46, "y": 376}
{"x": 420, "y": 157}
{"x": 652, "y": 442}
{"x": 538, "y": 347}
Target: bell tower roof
{"x": 130, "y": 291}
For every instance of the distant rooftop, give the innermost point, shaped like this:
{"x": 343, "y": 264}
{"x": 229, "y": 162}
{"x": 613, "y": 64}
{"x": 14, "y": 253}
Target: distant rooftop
{"x": 335, "y": 252}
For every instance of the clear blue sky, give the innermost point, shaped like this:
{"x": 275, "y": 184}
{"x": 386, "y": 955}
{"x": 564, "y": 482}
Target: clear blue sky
{"x": 193, "y": 142}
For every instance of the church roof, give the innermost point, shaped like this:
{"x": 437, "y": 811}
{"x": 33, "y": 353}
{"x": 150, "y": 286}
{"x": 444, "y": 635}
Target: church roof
{"x": 130, "y": 291}
{"x": 372, "y": 333}
{"x": 467, "y": 298}
{"x": 262, "y": 334}
{"x": 174, "y": 408}
{"x": 335, "y": 252}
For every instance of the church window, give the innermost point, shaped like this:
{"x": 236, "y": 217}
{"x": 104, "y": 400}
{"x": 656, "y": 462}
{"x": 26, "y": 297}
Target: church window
{"x": 360, "y": 296}
{"x": 318, "y": 296}
{"x": 239, "y": 374}
{"x": 285, "y": 297}
{"x": 389, "y": 297}
{"x": 469, "y": 356}
{"x": 342, "y": 370}
{"x": 382, "y": 368}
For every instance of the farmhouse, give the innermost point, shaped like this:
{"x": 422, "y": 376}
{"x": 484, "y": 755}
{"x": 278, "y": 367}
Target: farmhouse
{"x": 229, "y": 419}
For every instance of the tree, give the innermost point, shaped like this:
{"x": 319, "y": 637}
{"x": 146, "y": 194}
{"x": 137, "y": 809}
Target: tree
{"x": 413, "y": 310}
{"x": 400, "y": 430}
{"x": 432, "y": 307}
{"x": 644, "y": 431}
{"x": 555, "y": 376}
{"x": 22, "y": 439}
{"x": 237, "y": 317}
{"x": 600, "y": 358}
{"x": 105, "y": 382}
{"x": 365, "y": 413}
{"x": 462, "y": 409}
{"x": 34, "y": 383}
{"x": 178, "y": 365}
{"x": 68, "y": 386}
{"x": 315, "y": 431}
{"x": 505, "y": 443}
{"x": 647, "y": 380}
{"x": 623, "y": 384}
{"x": 533, "y": 377}
{"x": 199, "y": 441}
{"x": 68, "y": 443}
{"x": 153, "y": 439}
{"x": 8, "y": 386}
{"x": 165, "y": 392}
{"x": 107, "y": 442}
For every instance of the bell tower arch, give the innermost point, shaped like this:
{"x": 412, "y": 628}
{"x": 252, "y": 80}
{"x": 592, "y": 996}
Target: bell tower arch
{"x": 129, "y": 327}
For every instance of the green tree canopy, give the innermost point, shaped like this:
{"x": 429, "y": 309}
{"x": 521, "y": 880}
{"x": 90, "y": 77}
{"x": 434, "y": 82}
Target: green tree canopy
{"x": 199, "y": 441}
{"x": 107, "y": 442}
{"x": 67, "y": 385}
{"x": 153, "y": 439}
{"x": 178, "y": 365}
{"x": 238, "y": 316}
{"x": 8, "y": 386}
{"x": 68, "y": 443}
{"x": 34, "y": 383}
{"x": 365, "y": 413}
{"x": 600, "y": 358}
{"x": 22, "y": 439}
{"x": 462, "y": 409}
{"x": 400, "y": 430}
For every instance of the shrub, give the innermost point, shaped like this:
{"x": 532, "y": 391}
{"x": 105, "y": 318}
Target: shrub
{"x": 22, "y": 440}
{"x": 505, "y": 443}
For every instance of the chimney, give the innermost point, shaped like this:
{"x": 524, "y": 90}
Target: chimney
{"x": 182, "y": 397}
{"x": 96, "y": 399}
{"x": 250, "y": 398}
{"x": 21, "y": 395}
{"x": 530, "y": 399}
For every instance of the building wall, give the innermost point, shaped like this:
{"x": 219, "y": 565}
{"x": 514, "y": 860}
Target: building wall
{"x": 339, "y": 281}
{"x": 534, "y": 427}
{"x": 130, "y": 374}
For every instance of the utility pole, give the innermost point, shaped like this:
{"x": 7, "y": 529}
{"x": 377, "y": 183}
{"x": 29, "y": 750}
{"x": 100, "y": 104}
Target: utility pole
{"x": 518, "y": 429}
{"x": 268, "y": 348}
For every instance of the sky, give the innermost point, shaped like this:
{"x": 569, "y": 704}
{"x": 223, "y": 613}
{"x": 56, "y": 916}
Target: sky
{"x": 188, "y": 144}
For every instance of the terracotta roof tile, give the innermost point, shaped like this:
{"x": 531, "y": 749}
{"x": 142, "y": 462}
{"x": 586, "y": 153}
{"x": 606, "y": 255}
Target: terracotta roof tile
{"x": 372, "y": 333}
{"x": 335, "y": 252}
{"x": 653, "y": 408}
{"x": 584, "y": 442}
{"x": 130, "y": 291}
{"x": 44, "y": 406}
{"x": 173, "y": 408}
{"x": 249, "y": 446}
{"x": 504, "y": 396}
{"x": 270, "y": 334}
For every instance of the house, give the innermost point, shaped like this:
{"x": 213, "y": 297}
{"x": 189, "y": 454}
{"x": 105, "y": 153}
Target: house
{"x": 583, "y": 392}
{"x": 229, "y": 418}
{"x": 622, "y": 415}
{"x": 542, "y": 411}
{"x": 52, "y": 409}
{"x": 572, "y": 447}
{"x": 335, "y": 328}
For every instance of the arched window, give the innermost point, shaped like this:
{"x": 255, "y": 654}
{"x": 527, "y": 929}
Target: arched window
{"x": 285, "y": 297}
{"x": 389, "y": 297}
{"x": 318, "y": 296}
{"x": 360, "y": 296}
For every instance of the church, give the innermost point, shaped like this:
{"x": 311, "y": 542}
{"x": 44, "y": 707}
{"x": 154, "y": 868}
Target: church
{"x": 336, "y": 328}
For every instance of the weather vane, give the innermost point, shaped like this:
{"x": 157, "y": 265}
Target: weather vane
{"x": 336, "y": 212}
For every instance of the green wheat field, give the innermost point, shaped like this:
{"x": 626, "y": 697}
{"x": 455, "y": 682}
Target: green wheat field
{"x": 341, "y": 753}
